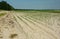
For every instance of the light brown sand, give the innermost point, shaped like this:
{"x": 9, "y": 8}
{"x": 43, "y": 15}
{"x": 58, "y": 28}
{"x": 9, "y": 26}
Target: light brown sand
{"x": 20, "y": 25}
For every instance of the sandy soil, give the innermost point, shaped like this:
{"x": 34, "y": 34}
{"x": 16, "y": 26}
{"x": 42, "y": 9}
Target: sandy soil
{"x": 20, "y": 25}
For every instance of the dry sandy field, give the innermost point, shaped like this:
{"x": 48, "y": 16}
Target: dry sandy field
{"x": 29, "y": 25}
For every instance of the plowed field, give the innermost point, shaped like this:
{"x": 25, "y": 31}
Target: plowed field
{"x": 29, "y": 25}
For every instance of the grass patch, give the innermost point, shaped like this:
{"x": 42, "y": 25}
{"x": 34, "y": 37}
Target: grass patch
{"x": 32, "y": 10}
{"x": 2, "y": 14}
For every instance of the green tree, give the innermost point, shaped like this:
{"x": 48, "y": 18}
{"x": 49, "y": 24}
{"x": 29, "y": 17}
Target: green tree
{"x": 5, "y": 6}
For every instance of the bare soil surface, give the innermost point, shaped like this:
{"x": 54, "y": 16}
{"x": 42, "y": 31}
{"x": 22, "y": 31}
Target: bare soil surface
{"x": 23, "y": 25}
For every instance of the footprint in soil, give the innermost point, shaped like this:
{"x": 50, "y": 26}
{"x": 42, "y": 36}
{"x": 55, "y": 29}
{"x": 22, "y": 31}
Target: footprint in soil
{"x": 11, "y": 23}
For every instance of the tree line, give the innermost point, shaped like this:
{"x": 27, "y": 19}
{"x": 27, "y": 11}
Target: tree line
{"x": 5, "y": 6}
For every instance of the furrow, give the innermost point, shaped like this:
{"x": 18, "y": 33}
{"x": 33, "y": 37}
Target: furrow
{"x": 26, "y": 29}
{"x": 31, "y": 25}
{"x": 20, "y": 26}
{"x": 40, "y": 22}
{"x": 47, "y": 30}
{"x": 25, "y": 22}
